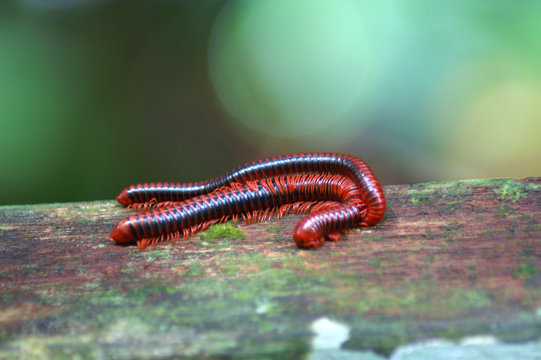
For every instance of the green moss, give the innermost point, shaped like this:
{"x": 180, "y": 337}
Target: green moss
{"x": 194, "y": 269}
{"x": 129, "y": 269}
{"x": 380, "y": 340}
{"x": 443, "y": 247}
{"x": 161, "y": 252}
{"x": 372, "y": 238}
{"x": 505, "y": 209}
{"x": 112, "y": 297}
{"x": 453, "y": 205}
{"x": 275, "y": 228}
{"x": 375, "y": 298}
{"x": 514, "y": 190}
{"x": 469, "y": 298}
{"x": 229, "y": 270}
{"x": 295, "y": 263}
{"x": 256, "y": 302}
{"x": 26, "y": 269}
{"x": 446, "y": 188}
{"x": 260, "y": 261}
{"x": 6, "y": 297}
{"x": 526, "y": 270}
{"x": 429, "y": 186}
{"x": 375, "y": 262}
{"x": 529, "y": 219}
{"x": 504, "y": 189}
{"x": 148, "y": 290}
{"x": 422, "y": 300}
{"x": 222, "y": 231}
{"x": 480, "y": 182}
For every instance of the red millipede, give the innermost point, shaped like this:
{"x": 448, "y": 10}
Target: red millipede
{"x": 334, "y": 163}
{"x": 334, "y": 200}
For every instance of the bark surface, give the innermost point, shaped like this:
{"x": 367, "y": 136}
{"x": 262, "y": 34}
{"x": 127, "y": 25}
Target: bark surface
{"x": 450, "y": 260}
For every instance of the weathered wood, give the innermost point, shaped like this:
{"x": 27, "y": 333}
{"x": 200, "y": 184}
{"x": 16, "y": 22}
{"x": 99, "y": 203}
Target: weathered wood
{"x": 450, "y": 259}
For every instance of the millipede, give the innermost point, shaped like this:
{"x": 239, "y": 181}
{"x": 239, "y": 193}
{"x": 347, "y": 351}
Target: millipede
{"x": 165, "y": 193}
{"x": 335, "y": 203}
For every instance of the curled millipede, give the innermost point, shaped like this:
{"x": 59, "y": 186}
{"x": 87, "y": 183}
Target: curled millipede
{"x": 163, "y": 194}
{"x": 334, "y": 201}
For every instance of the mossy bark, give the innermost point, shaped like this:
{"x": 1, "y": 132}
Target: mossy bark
{"x": 450, "y": 259}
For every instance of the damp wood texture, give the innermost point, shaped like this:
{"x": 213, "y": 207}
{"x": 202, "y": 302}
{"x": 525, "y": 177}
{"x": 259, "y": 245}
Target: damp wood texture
{"x": 451, "y": 260}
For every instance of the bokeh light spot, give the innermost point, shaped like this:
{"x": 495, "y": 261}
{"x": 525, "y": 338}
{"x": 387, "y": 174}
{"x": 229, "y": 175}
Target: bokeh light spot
{"x": 493, "y": 123}
{"x": 289, "y": 68}
{"x": 507, "y": 116}
{"x": 34, "y": 100}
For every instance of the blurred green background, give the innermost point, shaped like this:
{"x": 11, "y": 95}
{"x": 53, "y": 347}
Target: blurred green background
{"x": 96, "y": 95}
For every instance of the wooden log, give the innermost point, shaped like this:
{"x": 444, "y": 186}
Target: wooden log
{"x": 450, "y": 260}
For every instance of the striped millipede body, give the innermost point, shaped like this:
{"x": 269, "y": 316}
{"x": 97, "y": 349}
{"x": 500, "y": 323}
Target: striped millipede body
{"x": 334, "y": 200}
{"x": 333, "y": 163}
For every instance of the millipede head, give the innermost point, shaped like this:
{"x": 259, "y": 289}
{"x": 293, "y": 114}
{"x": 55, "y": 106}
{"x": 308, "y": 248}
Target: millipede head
{"x": 121, "y": 233}
{"x": 123, "y": 198}
{"x": 307, "y": 237}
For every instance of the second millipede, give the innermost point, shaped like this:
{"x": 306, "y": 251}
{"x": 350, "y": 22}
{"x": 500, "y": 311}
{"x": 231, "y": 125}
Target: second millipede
{"x": 371, "y": 192}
